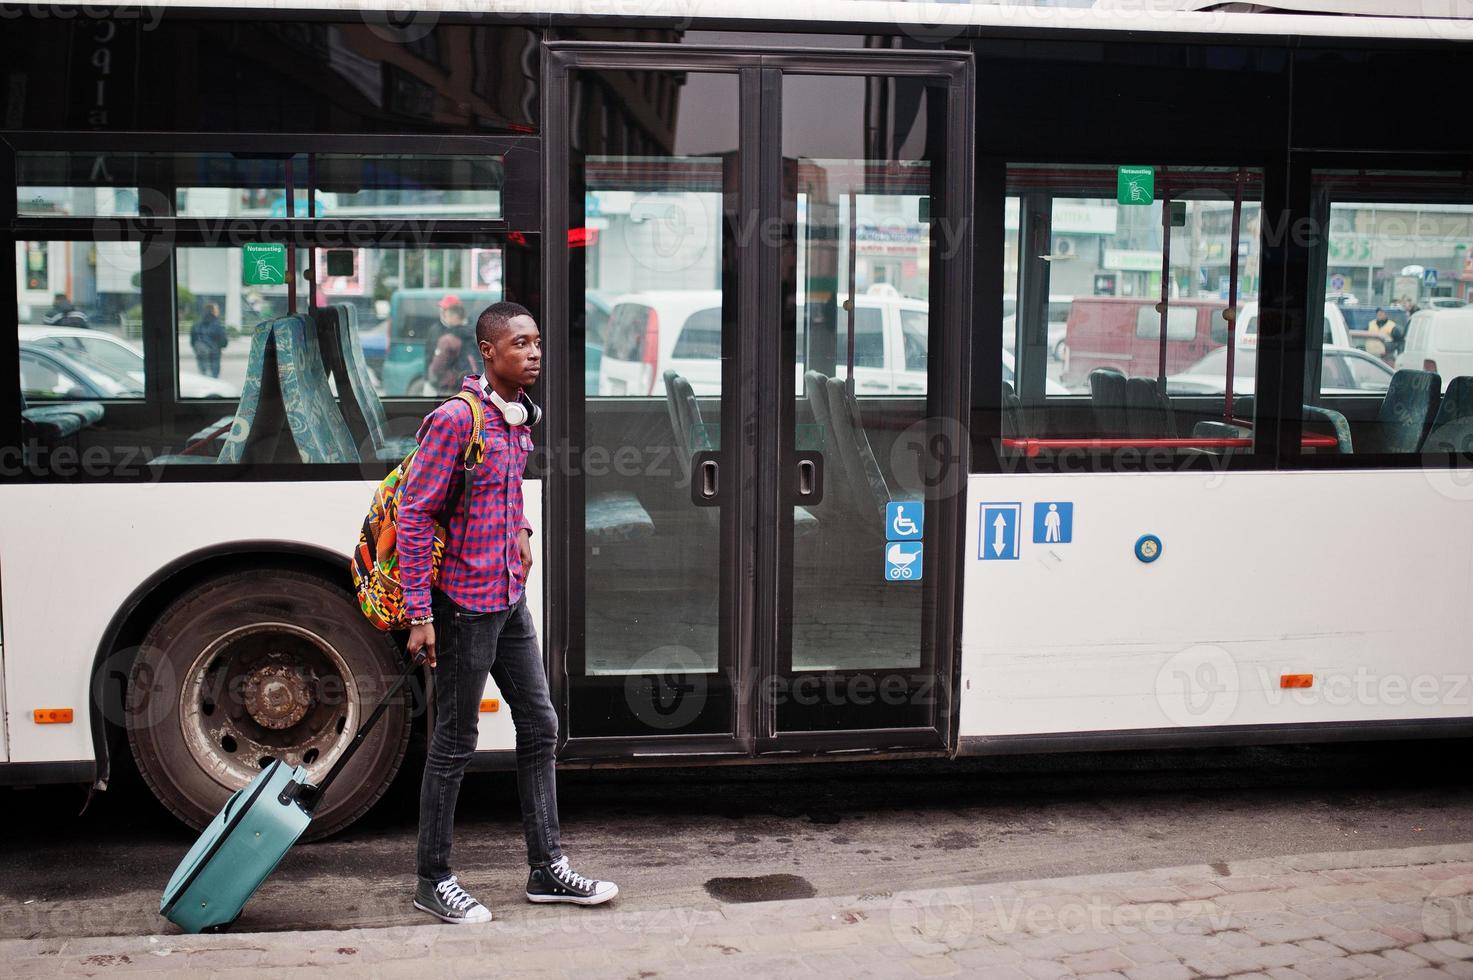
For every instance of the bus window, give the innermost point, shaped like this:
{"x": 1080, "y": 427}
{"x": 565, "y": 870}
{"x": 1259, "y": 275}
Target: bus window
{"x": 414, "y": 312}
{"x": 80, "y": 335}
{"x": 424, "y": 187}
{"x": 1397, "y": 370}
{"x": 1106, "y": 345}
{"x": 73, "y": 185}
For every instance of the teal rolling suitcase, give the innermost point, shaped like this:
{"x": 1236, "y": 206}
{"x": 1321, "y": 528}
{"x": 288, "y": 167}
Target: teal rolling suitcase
{"x": 249, "y": 837}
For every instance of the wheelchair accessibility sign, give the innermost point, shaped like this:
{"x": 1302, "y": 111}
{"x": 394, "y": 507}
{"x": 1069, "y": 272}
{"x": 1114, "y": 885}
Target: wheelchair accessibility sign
{"x": 904, "y": 524}
{"x": 904, "y": 520}
{"x": 902, "y": 561}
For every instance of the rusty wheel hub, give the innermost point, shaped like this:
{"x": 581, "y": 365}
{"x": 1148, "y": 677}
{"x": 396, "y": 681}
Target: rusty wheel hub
{"x": 277, "y": 696}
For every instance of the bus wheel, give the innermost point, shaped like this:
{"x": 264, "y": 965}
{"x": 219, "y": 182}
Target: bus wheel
{"x": 256, "y": 666}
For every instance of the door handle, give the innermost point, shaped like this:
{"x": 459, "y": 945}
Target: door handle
{"x": 705, "y": 479}
{"x": 710, "y": 472}
{"x": 808, "y": 488}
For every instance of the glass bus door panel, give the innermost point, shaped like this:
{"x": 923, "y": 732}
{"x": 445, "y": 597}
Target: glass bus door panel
{"x": 654, "y": 278}
{"x": 853, "y": 652}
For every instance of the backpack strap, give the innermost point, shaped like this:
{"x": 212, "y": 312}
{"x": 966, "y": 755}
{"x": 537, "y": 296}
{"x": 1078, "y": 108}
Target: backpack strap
{"x": 470, "y": 457}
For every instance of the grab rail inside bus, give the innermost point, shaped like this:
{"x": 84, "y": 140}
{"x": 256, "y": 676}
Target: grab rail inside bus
{"x": 1031, "y": 446}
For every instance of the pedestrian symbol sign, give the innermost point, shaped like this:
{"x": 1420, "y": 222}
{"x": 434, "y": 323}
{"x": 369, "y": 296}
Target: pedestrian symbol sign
{"x": 1053, "y": 523}
{"x": 1135, "y": 185}
{"x": 904, "y": 520}
{"x": 997, "y": 536}
{"x": 263, "y": 264}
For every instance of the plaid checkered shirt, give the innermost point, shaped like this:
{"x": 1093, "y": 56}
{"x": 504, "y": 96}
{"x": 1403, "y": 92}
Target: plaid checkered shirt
{"x": 482, "y": 567}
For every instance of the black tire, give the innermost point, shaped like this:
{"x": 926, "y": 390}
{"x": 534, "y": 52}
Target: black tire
{"x": 259, "y": 665}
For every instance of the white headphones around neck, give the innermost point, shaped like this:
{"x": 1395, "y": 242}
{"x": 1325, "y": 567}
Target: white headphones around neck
{"x": 523, "y": 411}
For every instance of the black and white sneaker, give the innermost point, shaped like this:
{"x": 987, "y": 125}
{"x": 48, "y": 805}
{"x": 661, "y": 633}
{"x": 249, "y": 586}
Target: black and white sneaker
{"x": 557, "y": 882}
{"x": 448, "y": 902}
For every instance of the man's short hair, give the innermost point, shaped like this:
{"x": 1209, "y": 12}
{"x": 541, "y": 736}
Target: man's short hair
{"x": 496, "y": 318}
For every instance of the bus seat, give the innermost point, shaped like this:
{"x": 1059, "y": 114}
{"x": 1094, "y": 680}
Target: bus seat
{"x": 837, "y": 488}
{"x": 1107, "y": 398}
{"x": 861, "y": 468}
{"x": 312, "y": 414}
{"x": 1452, "y": 429}
{"x": 260, "y": 416}
{"x": 1148, "y": 414}
{"x": 49, "y": 424}
{"x": 1012, "y": 410}
{"x": 1406, "y": 412}
{"x": 1337, "y": 422}
{"x": 363, "y": 409}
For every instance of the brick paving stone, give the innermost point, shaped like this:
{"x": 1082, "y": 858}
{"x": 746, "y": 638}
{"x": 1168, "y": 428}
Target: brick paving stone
{"x": 1148, "y": 954}
{"x": 1429, "y": 952}
{"x": 1248, "y": 883}
{"x": 1155, "y": 893}
{"x": 1111, "y": 975}
{"x": 933, "y": 966}
{"x": 1362, "y": 940}
{"x": 1457, "y": 968}
{"x": 1044, "y": 969}
{"x": 1287, "y": 973}
{"x": 1336, "y": 969}
{"x": 1252, "y": 901}
{"x": 1159, "y": 971}
{"x": 1453, "y": 949}
{"x": 1402, "y": 958}
{"x": 1085, "y": 942}
{"x": 993, "y": 958}
{"x": 1349, "y": 921}
{"x": 1098, "y": 961}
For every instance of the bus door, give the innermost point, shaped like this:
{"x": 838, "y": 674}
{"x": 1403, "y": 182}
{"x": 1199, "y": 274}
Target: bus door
{"x": 756, "y": 336}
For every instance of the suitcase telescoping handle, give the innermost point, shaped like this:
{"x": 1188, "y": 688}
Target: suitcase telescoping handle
{"x": 309, "y": 795}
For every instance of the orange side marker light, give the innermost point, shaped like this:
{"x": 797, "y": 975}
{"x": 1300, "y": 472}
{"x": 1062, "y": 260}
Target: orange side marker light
{"x": 1296, "y": 680}
{"x": 490, "y": 704}
{"x": 52, "y": 716}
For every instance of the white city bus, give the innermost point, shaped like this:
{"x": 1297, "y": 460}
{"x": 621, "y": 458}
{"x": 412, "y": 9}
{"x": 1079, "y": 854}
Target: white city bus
{"x": 780, "y": 562}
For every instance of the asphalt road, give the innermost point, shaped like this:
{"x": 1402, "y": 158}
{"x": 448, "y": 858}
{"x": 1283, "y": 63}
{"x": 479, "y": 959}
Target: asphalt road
{"x": 682, "y": 839}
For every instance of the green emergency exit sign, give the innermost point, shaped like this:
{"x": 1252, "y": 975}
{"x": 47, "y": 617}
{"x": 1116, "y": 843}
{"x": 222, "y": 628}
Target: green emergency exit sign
{"x": 263, "y": 264}
{"x": 1135, "y": 185}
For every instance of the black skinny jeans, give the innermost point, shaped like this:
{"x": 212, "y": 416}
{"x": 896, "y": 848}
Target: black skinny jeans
{"x": 469, "y": 645}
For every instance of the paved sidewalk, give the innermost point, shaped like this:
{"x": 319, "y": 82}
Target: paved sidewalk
{"x": 1402, "y": 913}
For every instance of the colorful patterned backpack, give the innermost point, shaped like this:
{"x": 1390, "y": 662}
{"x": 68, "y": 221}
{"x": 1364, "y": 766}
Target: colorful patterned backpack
{"x": 376, "y": 559}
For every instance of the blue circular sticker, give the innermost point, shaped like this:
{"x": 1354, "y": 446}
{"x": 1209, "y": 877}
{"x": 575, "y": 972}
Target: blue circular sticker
{"x": 1148, "y": 548}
